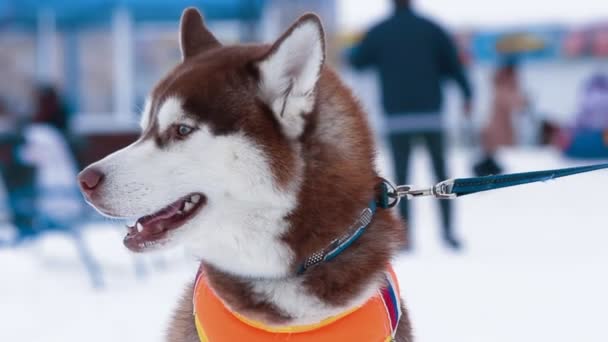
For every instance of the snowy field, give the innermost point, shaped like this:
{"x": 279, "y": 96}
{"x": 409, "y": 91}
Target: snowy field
{"x": 533, "y": 269}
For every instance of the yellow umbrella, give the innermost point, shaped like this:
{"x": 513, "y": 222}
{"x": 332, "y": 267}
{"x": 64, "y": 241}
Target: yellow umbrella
{"x": 519, "y": 43}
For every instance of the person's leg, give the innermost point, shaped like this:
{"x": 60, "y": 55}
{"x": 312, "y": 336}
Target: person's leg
{"x": 435, "y": 144}
{"x": 487, "y": 165}
{"x": 401, "y": 145}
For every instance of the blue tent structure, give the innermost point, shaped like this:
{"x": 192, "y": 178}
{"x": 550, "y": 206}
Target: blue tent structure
{"x": 69, "y": 17}
{"x": 83, "y": 13}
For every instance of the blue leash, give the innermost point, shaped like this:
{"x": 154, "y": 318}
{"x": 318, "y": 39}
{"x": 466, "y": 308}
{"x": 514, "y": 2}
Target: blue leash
{"x": 390, "y": 195}
{"x": 453, "y": 188}
{"x": 466, "y": 186}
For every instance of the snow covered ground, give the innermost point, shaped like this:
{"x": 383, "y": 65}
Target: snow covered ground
{"x": 534, "y": 269}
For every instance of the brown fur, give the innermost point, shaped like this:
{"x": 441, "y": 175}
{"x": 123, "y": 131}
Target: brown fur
{"x": 194, "y": 37}
{"x": 220, "y": 85}
{"x": 181, "y": 327}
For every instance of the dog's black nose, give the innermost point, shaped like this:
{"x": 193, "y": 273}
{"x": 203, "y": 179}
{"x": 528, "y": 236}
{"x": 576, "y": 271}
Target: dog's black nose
{"x": 90, "y": 179}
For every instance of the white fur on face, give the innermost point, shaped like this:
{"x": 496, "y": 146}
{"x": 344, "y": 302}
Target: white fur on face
{"x": 290, "y": 73}
{"x": 145, "y": 115}
{"x": 239, "y": 228}
{"x": 169, "y": 113}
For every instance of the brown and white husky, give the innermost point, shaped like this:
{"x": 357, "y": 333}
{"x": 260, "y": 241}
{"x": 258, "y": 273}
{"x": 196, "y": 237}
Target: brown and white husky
{"x": 254, "y": 157}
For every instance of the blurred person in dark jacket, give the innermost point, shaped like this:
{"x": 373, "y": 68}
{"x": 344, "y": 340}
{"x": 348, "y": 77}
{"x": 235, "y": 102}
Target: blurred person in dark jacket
{"x": 413, "y": 55}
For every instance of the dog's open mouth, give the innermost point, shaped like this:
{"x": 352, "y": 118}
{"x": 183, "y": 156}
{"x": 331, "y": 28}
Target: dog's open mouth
{"x": 151, "y": 230}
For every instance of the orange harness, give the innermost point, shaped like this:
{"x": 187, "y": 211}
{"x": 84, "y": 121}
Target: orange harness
{"x": 374, "y": 321}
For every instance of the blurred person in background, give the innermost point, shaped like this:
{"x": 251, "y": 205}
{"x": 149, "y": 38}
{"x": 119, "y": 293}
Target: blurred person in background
{"x": 37, "y": 167}
{"x": 508, "y": 103}
{"x": 593, "y": 107}
{"x": 413, "y": 55}
{"x": 11, "y": 139}
{"x": 13, "y": 177}
{"x": 47, "y": 150}
{"x": 587, "y": 137}
{"x": 50, "y": 108}
{"x": 8, "y": 120}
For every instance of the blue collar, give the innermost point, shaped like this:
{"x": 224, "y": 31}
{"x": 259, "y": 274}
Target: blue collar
{"x": 338, "y": 245}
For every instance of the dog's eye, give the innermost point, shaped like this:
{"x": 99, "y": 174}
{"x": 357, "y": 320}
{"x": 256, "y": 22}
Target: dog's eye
{"x": 183, "y": 130}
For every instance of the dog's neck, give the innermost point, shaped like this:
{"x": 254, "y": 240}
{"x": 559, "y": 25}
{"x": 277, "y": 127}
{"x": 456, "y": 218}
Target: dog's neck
{"x": 324, "y": 291}
{"x": 328, "y": 288}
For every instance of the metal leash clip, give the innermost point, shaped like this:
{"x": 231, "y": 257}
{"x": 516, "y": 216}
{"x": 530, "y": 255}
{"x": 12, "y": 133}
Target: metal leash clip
{"x": 441, "y": 190}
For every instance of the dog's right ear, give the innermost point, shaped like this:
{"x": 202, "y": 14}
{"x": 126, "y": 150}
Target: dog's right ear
{"x": 289, "y": 72}
{"x": 194, "y": 37}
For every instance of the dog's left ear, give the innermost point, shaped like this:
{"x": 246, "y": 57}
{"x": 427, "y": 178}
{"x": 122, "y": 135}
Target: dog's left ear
{"x": 289, "y": 72}
{"x": 194, "y": 37}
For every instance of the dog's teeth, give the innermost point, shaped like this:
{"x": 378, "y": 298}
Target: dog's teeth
{"x": 140, "y": 228}
{"x": 195, "y": 198}
{"x": 188, "y": 206}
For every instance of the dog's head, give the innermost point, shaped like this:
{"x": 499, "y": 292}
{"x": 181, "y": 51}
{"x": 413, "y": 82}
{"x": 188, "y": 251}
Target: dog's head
{"x": 242, "y": 148}
{"x": 218, "y": 158}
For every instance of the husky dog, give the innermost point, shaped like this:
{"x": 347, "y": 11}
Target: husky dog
{"x": 254, "y": 157}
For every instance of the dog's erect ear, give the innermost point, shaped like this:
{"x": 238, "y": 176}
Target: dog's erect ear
{"x": 194, "y": 37}
{"x": 290, "y": 70}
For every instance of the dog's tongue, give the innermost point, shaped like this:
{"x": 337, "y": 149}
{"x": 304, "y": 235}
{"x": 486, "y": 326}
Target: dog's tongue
{"x": 149, "y": 228}
{"x": 154, "y": 223}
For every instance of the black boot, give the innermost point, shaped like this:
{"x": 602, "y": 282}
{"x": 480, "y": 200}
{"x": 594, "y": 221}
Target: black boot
{"x": 452, "y": 243}
{"x": 487, "y": 166}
